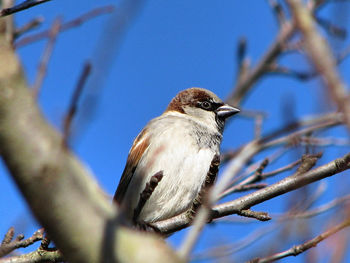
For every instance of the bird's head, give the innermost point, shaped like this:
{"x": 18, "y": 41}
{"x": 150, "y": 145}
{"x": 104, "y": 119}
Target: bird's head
{"x": 203, "y": 105}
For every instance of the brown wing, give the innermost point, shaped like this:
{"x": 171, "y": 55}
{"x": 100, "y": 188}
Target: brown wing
{"x": 138, "y": 148}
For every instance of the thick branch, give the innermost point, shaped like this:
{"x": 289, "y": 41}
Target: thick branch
{"x": 57, "y": 187}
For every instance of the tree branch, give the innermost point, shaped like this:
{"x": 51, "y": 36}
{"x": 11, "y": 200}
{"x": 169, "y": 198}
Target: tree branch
{"x": 66, "y": 26}
{"x": 54, "y": 182}
{"x": 296, "y": 250}
{"x": 22, "y": 6}
{"x": 8, "y": 245}
{"x": 245, "y": 202}
{"x": 320, "y": 54}
{"x": 37, "y": 256}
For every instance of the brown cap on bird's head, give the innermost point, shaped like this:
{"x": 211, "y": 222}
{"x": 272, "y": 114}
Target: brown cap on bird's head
{"x": 201, "y": 98}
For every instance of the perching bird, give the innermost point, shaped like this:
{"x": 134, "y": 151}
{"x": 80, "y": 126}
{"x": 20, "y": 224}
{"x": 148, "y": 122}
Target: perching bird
{"x": 181, "y": 143}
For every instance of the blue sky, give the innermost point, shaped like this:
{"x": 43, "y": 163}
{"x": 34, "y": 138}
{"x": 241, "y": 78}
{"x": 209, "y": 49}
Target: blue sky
{"x": 170, "y": 46}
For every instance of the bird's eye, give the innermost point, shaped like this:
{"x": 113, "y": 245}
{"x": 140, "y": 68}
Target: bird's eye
{"x": 206, "y": 105}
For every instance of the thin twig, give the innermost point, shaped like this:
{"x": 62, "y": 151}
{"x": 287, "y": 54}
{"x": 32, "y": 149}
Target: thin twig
{"x": 331, "y": 28}
{"x": 324, "y": 141}
{"x": 208, "y": 183}
{"x": 242, "y": 62}
{"x": 73, "y": 106}
{"x": 66, "y": 26}
{"x": 282, "y": 169}
{"x": 278, "y": 11}
{"x": 259, "y": 70}
{"x": 8, "y": 236}
{"x": 296, "y": 250}
{"x": 34, "y": 23}
{"x": 267, "y": 141}
{"x": 284, "y": 71}
{"x": 8, "y": 245}
{"x": 146, "y": 193}
{"x": 257, "y": 175}
{"x": 22, "y": 6}
{"x": 321, "y": 56}
{"x": 308, "y": 161}
{"x": 251, "y": 169}
{"x": 229, "y": 249}
{"x": 233, "y": 248}
{"x": 242, "y": 188}
{"x": 318, "y": 210}
{"x": 313, "y": 123}
{"x": 329, "y": 118}
{"x": 289, "y": 138}
{"x": 55, "y": 29}
{"x": 261, "y": 216}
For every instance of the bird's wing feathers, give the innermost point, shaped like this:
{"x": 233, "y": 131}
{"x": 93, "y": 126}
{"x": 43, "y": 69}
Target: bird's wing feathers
{"x": 140, "y": 145}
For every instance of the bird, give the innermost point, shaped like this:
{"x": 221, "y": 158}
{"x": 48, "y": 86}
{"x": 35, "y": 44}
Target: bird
{"x": 180, "y": 143}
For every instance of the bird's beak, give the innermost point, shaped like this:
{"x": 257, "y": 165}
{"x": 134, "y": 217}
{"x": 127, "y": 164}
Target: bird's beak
{"x": 226, "y": 111}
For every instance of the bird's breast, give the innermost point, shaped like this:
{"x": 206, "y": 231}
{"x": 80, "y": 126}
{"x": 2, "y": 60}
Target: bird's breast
{"x": 183, "y": 152}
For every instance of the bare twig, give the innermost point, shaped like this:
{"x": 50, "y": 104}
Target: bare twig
{"x": 290, "y": 137}
{"x": 45, "y": 243}
{"x": 278, "y": 11}
{"x": 8, "y": 245}
{"x": 8, "y": 236}
{"x": 22, "y": 6}
{"x": 34, "y": 23}
{"x": 55, "y": 29}
{"x": 326, "y": 141}
{"x": 66, "y": 26}
{"x": 257, "y": 72}
{"x": 307, "y": 162}
{"x": 283, "y": 71}
{"x": 241, "y": 52}
{"x": 282, "y": 169}
{"x": 257, "y": 175}
{"x": 335, "y": 118}
{"x": 74, "y": 102}
{"x": 261, "y": 216}
{"x": 318, "y": 210}
{"x": 296, "y": 250}
{"x": 229, "y": 249}
{"x": 321, "y": 56}
{"x": 146, "y": 193}
{"x": 242, "y": 188}
{"x": 243, "y": 62}
{"x": 209, "y": 181}
{"x": 312, "y": 123}
{"x": 331, "y": 28}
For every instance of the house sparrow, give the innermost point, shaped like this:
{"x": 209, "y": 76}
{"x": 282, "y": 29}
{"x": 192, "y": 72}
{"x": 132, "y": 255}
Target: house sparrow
{"x": 181, "y": 143}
